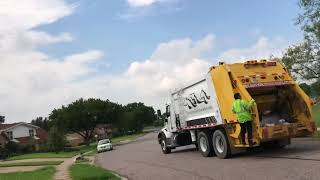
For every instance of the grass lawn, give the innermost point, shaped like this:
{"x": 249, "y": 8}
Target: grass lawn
{"x": 54, "y": 155}
{"x": 131, "y": 137}
{"x": 317, "y": 135}
{"x": 43, "y": 155}
{"x": 316, "y": 112}
{"x": 92, "y": 153}
{"x": 45, "y": 173}
{"x": 86, "y": 171}
{"x": 43, "y": 163}
{"x": 82, "y": 149}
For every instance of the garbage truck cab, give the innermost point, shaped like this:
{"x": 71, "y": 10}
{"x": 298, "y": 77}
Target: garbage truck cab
{"x": 201, "y": 113}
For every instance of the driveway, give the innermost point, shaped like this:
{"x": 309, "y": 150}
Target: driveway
{"x": 143, "y": 160}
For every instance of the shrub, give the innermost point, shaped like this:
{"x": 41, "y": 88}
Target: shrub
{"x": 26, "y": 148}
{"x": 44, "y": 147}
{"x": 4, "y": 153}
{"x": 12, "y": 147}
{"x": 71, "y": 149}
{"x": 56, "y": 139}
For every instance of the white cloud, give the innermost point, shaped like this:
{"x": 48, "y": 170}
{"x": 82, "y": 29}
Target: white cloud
{"x": 32, "y": 82}
{"x": 17, "y": 14}
{"x": 141, "y": 8}
{"x": 176, "y": 63}
{"x": 172, "y": 64}
{"x": 142, "y": 3}
{"x": 263, "y": 48}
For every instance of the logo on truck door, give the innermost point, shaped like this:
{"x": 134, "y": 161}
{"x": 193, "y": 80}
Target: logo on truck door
{"x": 193, "y": 101}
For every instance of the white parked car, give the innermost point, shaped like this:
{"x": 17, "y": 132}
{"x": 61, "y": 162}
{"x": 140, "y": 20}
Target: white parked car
{"x": 104, "y": 145}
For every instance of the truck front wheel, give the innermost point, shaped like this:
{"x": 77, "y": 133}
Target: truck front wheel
{"x": 164, "y": 147}
{"x": 205, "y": 144}
{"x": 221, "y": 144}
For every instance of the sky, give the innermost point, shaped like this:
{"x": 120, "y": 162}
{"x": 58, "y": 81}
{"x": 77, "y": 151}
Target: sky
{"x": 53, "y": 52}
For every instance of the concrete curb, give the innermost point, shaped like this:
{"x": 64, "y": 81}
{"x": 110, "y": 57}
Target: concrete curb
{"x": 122, "y": 178}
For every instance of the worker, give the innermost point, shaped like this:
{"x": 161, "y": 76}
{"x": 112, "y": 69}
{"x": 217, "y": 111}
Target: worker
{"x": 242, "y": 109}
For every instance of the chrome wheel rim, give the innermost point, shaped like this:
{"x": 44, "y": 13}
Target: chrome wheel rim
{"x": 163, "y": 145}
{"x": 219, "y": 144}
{"x": 203, "y": 144}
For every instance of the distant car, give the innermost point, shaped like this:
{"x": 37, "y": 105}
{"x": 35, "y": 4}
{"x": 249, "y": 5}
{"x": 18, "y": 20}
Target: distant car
{"x": 104, "y": 145}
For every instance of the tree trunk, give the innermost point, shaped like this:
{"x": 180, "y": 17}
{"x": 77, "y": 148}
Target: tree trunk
{"x": 87, "y": 141}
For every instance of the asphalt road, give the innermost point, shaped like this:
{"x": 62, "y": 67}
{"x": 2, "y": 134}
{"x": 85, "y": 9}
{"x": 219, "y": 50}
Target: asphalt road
{"x": 143, "y": 160}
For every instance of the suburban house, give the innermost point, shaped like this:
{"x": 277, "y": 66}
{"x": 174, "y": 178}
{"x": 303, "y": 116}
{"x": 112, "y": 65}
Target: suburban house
{"x": 74, "y": 139}
{"x": 3, "y": 140}
{"x": 22, "y": 133}
{"x": 101, "y": 131}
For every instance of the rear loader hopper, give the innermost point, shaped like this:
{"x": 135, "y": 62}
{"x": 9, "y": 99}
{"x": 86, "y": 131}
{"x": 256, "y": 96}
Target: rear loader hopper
{"x": 201, "y": 113}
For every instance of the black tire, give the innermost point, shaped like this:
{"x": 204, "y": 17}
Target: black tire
{"x": 164, "y": 147}
{"x": 221, "y": 144}
{"x": 205, "y": 144}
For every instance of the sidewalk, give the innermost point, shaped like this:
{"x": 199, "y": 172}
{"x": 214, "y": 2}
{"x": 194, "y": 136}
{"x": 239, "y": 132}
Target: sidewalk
{"x": 62, "y": 170}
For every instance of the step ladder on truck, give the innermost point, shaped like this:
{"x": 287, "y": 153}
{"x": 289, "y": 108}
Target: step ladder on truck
{"x": 201, "y": 113}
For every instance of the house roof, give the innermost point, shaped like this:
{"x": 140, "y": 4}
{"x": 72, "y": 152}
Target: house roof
{"x": 4, "y": 127}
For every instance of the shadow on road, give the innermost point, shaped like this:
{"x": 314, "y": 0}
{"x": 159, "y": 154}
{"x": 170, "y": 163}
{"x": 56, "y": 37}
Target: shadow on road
{"x": 303, "y": 152}
{"x": 184, "y": 150}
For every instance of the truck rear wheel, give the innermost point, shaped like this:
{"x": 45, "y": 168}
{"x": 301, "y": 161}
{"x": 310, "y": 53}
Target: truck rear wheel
{"x": 221, "y": 144}
{"x": 164, "y": 147}
{"x": 205, "y": 144}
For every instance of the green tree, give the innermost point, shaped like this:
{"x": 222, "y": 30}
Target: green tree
{"x": 303, "y": 59}
{"x": 41, "y": 122}
{"x": 82, "y": 116}
{"x": 309, "y": 19}
{"x": 134, "y": 117}
{"x": 56, "y": 139}
{"x": 144, "y": 114}
{"x": 306, "y": 88}
{"x": 2, "y": 119}
{"x": 316, "y": 88}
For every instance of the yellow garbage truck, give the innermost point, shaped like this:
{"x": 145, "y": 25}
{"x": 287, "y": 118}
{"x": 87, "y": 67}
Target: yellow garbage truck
{"x": 200, "y": 113}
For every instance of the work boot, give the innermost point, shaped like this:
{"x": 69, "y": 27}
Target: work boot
{"x": 251, "y": 142}
{"x": 243, "y": 142}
